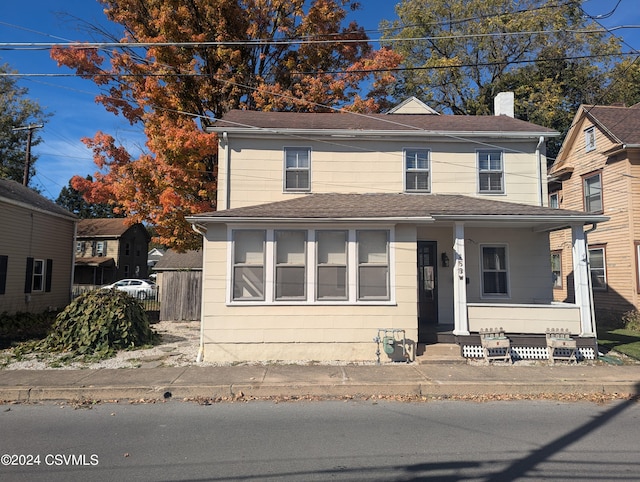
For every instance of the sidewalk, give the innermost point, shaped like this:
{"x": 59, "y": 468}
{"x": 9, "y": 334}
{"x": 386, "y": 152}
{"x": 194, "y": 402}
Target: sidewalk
{"x": 318, "y": 380}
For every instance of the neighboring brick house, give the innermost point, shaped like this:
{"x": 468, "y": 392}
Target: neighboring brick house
{"x": 36, "y": 251}
{"x": 108, "y": 250}
{"x": 337, "y": 229}
{"x": 598, "y": 171}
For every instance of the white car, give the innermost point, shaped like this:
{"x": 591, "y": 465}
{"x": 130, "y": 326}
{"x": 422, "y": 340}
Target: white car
{"x": 139, "y": 288}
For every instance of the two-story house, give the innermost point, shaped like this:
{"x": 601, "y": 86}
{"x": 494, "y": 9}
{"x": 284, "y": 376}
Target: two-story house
{"x": 36, "y": 251}
{"x": 335, "y": 229}
{"x": 108, "y": 250}
{"x": 598, "y": 171}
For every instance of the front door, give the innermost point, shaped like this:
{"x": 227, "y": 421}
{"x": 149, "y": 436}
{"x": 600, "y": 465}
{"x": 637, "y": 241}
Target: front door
{"x": 427, "y": 290}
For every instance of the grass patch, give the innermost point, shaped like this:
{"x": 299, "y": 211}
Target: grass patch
{"x": 621, "y": 340}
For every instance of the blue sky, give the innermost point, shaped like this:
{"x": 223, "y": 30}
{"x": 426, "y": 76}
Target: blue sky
{"x": 61, "y": 155}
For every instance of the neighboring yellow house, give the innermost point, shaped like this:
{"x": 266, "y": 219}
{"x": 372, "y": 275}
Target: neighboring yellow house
{"x": 36, "y": 251}
{"x": 598, "y": 171}
{"x": 335, "y": 229}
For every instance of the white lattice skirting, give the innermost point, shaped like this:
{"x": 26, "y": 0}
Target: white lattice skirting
{"x": 527, "y": 352}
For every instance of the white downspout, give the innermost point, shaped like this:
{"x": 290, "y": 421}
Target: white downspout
{"x": 201, "y": 230}
{"x": 539, "y": 158}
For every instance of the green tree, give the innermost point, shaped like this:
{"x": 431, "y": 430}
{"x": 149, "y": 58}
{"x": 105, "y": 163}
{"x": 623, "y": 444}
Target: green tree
{"x": 73, "y": 200}
{"x": 467, "y": 51}
{"x": 16, "y": 111}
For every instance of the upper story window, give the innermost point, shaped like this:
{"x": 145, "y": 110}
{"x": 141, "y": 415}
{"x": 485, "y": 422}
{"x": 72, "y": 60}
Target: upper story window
{"x": 554, "y": 200}
{"x": 79, "y": 247}
{"x": 592, "y": 188}
{"x": 416, "y": 165}
{"x": 590, "y": 139}
{"x": 100, "y": 248}
{"x": 490, "y": 172}
{"x": 127, "y": 249}
{"x": 297, "y": 168}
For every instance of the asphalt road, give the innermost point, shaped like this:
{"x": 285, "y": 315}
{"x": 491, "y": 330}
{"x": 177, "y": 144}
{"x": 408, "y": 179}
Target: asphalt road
{"x": 305, "y": 441}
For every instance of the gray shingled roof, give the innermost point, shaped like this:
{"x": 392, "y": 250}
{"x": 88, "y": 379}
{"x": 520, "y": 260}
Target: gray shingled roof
{"x": 242, "y": 119}
{"x": 394, "y": 206}
{"x": 172, "y": 260}
{"x": 623, "y": 123}
{"x": 13, "y": 191}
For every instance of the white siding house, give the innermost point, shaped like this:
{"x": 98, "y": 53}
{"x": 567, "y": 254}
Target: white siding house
{"x": 336, "y": 229}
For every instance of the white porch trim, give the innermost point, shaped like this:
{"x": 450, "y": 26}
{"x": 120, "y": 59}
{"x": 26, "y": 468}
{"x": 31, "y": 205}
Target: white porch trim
{"x": 461, "y": 319}
{"x": 582, "y": 280}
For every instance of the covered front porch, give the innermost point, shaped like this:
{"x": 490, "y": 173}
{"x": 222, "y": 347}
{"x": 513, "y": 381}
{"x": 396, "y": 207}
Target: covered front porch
{"x": 524, "y": 317}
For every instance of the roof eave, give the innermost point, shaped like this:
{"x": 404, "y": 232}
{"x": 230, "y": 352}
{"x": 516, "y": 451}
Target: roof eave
{"x": 299, "y": 220}
{"x": 352, "y": 133}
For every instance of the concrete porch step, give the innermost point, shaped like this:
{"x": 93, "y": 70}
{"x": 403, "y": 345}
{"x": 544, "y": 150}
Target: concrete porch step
{"x": 440, "y": 353}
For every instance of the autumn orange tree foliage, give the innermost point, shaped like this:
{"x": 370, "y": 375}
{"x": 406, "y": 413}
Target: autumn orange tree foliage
{"x": 197, "y": 61}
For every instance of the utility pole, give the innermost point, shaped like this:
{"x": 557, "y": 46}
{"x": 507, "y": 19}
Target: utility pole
{"x": 27, "y": 161}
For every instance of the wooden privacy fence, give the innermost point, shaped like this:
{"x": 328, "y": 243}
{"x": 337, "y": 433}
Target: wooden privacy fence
{"x": 180, "y": 295}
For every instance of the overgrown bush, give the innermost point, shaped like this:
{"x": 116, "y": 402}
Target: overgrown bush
{"x": 98, "y": 323}
{"x": 631, "y": 320}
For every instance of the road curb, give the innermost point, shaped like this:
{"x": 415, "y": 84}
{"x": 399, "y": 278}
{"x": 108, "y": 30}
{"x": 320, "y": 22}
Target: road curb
{"x": 236, "y": 391}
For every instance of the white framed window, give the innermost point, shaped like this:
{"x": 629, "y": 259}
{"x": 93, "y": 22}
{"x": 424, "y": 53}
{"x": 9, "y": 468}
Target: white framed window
{"x": 417, "y": 176}
{"x": 37, "y": 280}
{"x": 598, "y": 268}
{"x": 556, "y": 269}
{"x": 297, "y": 169}
{"x": 592, "y": 188}
{"x": 100, "y": 248}
{"x": 79, "y": 247}
{"x": 331, "y": 265}
{"x": 554, "y": 200}
{"x": 373, "y": 265}
{"x": 310, "y": 266}
{"x": 590, "y": 139}
{"x": 495, "y": 272}
{"x": 490, "y": 172}
{"x": 248, "y": 264}
{"x": 291, "y": 268}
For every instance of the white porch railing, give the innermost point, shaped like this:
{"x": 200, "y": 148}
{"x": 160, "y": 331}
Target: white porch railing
{"x": 524, "y": 318}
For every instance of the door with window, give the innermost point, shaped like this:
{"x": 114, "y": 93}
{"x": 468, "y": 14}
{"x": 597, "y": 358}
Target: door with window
{"x": 427, "y": 289}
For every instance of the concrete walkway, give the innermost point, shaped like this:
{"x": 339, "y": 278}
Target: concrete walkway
{"x": 320, "y": 380}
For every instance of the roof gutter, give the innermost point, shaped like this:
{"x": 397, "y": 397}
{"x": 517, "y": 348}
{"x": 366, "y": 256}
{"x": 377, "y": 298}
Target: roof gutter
{"x": 329, "y": 220}
{"x": 352, "y": 133}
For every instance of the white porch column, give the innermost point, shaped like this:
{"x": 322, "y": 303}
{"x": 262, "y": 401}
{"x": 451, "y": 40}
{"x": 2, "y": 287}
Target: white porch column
{"x": 582, "y": 280}
{"x": 461, "y": 321}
